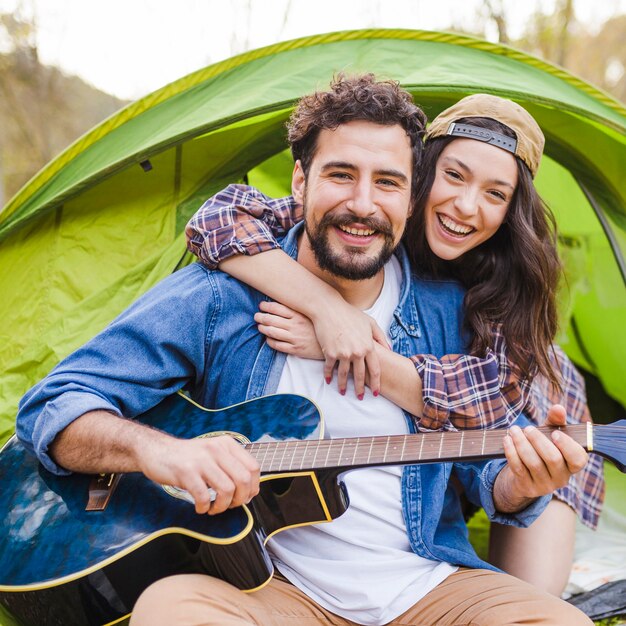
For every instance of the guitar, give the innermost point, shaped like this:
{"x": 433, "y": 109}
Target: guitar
{"x": 61, "y": 564}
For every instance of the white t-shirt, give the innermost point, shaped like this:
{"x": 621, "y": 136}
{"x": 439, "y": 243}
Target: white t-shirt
{"x": 359, "y": 566}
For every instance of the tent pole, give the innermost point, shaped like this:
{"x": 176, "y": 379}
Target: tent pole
{"x": 608, "y": 231}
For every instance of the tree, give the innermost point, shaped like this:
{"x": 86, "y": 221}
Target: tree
{"x": 41, "y": 109}
{"x": 551, "y": 35}
{"x": 601, "y": 58}
{"x": 558, "y": 37}
{"x": 496, "y": 12}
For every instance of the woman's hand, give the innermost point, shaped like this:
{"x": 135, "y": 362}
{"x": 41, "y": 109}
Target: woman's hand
{"x": 341, "y": 335}
{"x": 347, "y": 337}
{"x": 288, "y": 331}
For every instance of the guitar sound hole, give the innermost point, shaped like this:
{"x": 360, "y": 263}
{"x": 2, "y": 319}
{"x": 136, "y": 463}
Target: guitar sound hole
{"x": 280, "y": 486}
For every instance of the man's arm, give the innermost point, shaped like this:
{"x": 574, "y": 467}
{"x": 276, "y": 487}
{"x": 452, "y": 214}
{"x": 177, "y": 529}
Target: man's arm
{"x": 139, "y": 359}
{"x": 99, "y": 442}
{"x": 537, "y": 465}
{"x": 73, "y": 419}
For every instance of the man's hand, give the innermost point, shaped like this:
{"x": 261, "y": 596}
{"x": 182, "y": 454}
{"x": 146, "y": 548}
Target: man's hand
{"x": 197, "y": 464}
{"x": 288, "y": 331}
{"x": 99, "y": 442}
{"x": 537, "y": 465}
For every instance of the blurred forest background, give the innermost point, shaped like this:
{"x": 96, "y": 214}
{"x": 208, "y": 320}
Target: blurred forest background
{"x": 43, "y": 110}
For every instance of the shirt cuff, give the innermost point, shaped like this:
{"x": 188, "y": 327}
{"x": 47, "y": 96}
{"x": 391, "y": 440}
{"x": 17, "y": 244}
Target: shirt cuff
{"x": 520, "y": 519}
{"x": 466, "y": 392}
{"x": 248, "y": 247}
{"x": 58, "y": 414}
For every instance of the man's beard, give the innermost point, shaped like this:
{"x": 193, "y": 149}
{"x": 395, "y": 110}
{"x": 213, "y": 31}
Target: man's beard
{"x": 352, "y": 263}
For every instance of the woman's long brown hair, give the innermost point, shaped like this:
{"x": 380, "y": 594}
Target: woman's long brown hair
{"x": 511, "y": 279}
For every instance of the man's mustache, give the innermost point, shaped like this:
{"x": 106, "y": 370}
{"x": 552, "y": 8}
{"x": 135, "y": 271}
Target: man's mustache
{"x": 372, "y": 223}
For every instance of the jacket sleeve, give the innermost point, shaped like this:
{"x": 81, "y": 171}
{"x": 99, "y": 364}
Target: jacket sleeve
{"x": 478, "y": 480}
{"x": 239, "y": 220}
{"x": 150, "y": 351}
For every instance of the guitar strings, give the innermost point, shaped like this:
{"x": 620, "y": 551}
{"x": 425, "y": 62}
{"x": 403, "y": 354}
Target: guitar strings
{"x": 321, "y": 453}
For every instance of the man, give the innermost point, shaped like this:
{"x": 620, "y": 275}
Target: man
{"x": 399, "y": 554}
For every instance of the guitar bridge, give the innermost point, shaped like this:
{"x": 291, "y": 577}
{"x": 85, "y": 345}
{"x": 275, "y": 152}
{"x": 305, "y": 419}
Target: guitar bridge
{"x": 101, "y": 489}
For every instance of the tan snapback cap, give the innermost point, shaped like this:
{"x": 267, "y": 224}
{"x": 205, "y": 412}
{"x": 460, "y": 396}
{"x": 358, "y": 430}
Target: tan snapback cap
{"x": 530, "y": 140}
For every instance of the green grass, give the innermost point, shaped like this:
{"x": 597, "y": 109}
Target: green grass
{"x": 5, "y": 620}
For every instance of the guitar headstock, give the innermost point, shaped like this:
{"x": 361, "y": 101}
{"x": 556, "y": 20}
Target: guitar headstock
{"x": 609, "y": 440}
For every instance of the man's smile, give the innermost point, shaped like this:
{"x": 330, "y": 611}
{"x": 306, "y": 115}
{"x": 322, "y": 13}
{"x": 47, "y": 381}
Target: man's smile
{"x": 359, "y": 232}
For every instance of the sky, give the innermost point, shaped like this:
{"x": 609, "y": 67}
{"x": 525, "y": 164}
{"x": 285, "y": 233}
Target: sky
{"x": 131, "y": 47}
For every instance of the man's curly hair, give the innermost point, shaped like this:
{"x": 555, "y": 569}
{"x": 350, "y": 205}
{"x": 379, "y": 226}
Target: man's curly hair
{"x": 360, "y": 97}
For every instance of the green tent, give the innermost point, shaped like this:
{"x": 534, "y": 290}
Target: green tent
{"x": 104, "y": 221}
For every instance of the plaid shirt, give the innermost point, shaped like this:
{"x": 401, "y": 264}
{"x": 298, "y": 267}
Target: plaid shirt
{"x": 459, "y": 391}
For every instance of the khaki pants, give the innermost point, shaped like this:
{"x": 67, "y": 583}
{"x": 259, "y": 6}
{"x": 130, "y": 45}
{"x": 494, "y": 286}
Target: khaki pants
{"x": 470, "y": 597}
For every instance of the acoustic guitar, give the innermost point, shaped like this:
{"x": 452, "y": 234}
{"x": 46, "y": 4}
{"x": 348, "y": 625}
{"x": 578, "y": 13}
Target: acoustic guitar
{"x": 78, "y": 550}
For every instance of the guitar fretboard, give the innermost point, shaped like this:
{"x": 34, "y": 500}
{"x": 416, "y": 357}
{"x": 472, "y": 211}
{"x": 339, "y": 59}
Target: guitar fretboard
{"x": 289, "y": 456}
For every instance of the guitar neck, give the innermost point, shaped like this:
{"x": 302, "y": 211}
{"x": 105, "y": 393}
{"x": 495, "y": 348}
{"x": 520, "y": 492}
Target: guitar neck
{"x": 289, "y": 456}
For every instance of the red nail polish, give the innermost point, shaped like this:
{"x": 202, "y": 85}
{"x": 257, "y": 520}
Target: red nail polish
{"x": 376, "y": 394}
{"x": 342, "y": 392}
{"x": 327, "y": 379}
{"x": 360, "y": 396}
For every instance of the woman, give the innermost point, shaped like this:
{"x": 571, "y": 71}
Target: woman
{"x": 478, "y": 219}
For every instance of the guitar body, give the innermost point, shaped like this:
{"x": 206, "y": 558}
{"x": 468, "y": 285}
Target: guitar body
{"x": 63, "y": 565}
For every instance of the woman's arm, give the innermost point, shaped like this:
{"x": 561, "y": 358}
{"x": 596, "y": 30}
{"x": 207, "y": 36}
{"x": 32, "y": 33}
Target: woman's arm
{"x": 240, "y": 222}
{"x": 347, "y": 336}
{"x": 455, "y": 391}
{"x": 459, "y": 390}
{"x": 293, "y": 333}
{"x": 400, "y": 382}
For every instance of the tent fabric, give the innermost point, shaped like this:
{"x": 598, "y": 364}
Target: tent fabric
{"x": 104, "y": 221}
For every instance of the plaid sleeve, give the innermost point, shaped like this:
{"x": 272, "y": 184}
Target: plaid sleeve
{"x": 585, "y": 490}
{"x": 239, "y": 220}
{"x": 468, "y": 392}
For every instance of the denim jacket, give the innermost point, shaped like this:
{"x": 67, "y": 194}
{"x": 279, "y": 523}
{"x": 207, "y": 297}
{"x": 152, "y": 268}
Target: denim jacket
{"x": 196, "y": 330}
